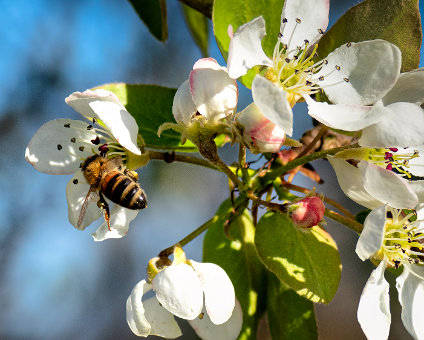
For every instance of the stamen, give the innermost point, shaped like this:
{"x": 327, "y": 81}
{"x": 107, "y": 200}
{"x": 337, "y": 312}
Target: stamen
{"x": 59, "y": 147}
{"x": 75, "y": 181}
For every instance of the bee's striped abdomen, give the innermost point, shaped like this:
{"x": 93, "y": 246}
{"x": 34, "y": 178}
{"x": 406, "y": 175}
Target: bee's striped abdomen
{"x": 122, "y": 190}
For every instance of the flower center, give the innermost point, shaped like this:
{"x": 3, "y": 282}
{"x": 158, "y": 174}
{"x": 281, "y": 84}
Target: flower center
{"x": 403, "y": 242}
{"x": 393, "y": 160}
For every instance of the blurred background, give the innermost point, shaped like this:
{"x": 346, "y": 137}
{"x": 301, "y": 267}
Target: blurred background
{"x": 55, "y": 281}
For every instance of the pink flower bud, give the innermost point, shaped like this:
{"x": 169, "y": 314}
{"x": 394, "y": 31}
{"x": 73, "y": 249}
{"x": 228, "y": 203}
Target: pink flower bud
{"x": 308, "y": 212}
{"x": 260, "y": 133}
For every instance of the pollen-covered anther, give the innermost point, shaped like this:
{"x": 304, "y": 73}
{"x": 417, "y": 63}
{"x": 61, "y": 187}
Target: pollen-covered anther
{"x": 348, "y": 44}
{"x": 59, "y": 147}
{"x": 346, "y": 80}
{"x": 90, "y": 127}
{"x": 284, "y": 20}
{"x": 321, "y": 78}
{"x": 320, "y": 31}
{"x": 298, "y": 20}
{"x": 337, "y": 67}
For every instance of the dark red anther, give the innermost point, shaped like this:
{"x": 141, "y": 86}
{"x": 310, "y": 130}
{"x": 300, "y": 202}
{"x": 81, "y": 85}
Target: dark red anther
{"x": 389, "y": 166}
{"x": 388, "y": 155}
{"x": 96, "y": 141}
{"x": 393, "y": 149}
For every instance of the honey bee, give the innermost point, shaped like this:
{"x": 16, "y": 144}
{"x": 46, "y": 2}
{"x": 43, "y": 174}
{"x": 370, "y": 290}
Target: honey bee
{"x": 109, "y": 178}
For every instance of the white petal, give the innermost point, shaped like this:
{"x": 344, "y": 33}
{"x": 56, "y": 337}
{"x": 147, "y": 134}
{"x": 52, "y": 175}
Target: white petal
{"x": 218, "y": 289}
{"x": 372, "y": 235}
{"x": 119, "y": 122}
{"x": 51, "y": 149}
{"x": 352, "y": 184}
{"x": 229, "y": 330}
{"x": 179, "y": 290}
{"x": 76, "y": 192}
{"x": 418, "y": 188}
{"x": 273, "y": 103}
{"x": 402, "y": 126}
{"x": 120, "y": 219}
{"x": 162, "y": 322}
{"x": 214, "y": 93}
{"x": 411, "y": 297}
{"x": 245, "y": 50}
{"x": 346, "y": 117}
{"x": 183, "y": 107}
{"x": 372, "y": 68}
{"x": 374, "y": 309}
{"x": 408, "y": 88}
{"x": 135, "y": 310}
{"x": 312, "y": 16}
{"x": 387, "y": 187}
{"x": 415, "y": 165}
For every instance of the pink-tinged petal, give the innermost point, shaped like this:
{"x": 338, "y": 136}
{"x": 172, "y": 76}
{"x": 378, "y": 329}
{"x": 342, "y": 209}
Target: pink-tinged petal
{"x": 374, "y": 308}
{"x": 387, "y": 187}
{"x": 352, "y": 184}
{"x": 119, "y": 122}
{"x": 402, "y": 126}
{"x": 214, "y": 93}
{"x": 272, "y": 102}
{"x": 229, "y": 330}
{"x": 259, "y": 132}
{"x": 120, "y": 219}
{"x": 183, "y": 107}
{"x": 179, "y": 290}
{"x": 368, "y": 70}
{"x": 411, "y": 297}
{"x": 372, "y": 235}
{"x": 301, "y": 20}
{"x": 218, "y": 290}
{"x": 346, "y": 117}
{"x": 162, "y": 322}
{"x": 59, "y": 146}
{"x": 208, "y": 63}
{"x": 408, "y": 88}
{"x": 136, "y": 317}
{"x": 245, "y": 50}
{"x": 76, "y": 192}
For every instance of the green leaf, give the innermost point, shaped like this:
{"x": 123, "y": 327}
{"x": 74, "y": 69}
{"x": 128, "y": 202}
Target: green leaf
{"x": 307, "y": 261}
{"x": 198, "y": 25}
{"x": 290, "y": 316}
{"x": 397, "y": 21}
{"x": 153, "y": 14}
{"x": 239, "y": 259}
{"x": 239, "y": 12}
{"x": 362, "y": 215}
{"x": 151, "y": 106}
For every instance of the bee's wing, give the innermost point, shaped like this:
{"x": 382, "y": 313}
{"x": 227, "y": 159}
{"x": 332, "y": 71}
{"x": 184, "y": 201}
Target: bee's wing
{"x": 85, "y": 205}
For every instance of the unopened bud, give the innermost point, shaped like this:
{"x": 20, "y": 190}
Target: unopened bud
{"x": 308, "y": 212}
{"x": 259, "y": 133}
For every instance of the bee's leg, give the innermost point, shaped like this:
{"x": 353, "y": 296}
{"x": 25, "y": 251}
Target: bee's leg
{"x": 131, "y": 174}
{"x": 102, "y": 204}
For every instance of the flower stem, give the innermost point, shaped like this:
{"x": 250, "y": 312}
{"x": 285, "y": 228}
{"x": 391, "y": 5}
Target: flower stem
{"x": 171, "y": 157}
{"x": 350, "y": 223}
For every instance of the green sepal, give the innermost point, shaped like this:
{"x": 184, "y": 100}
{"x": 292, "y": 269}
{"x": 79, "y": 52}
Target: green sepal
{"x": 308, "y": 262}
{"x": 239, "y": 259}
{"x": 153, "y": 14}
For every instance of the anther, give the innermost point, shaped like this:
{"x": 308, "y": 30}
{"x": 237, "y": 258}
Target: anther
{"x": 280, "y": 35}
{"x": 75, "y": 181}
{"x": 397, "y": 246}
{"x": 94, "y": 120}
{"x": 67, "y": 125}
{"x": 284, "y": 20}
{"x": 337, "y": 67}
{"x": 320, "y": 31}
{"x": 81, "y": 148}
{"x": 308, "y": 83}
{"x": 59, "y": 147}
{"x": 409, "y": 240}
{"x": 73, "y": 140}
{"x": 306, "y": 41}
{"x": 298, "y": 20}
{"x": 296, "y": 71}
{"x": 96, "y": 141}
{"x": 295, "y": 57}
{"x": 287, "y": 60}
{"x": 321, "y": 78}
{"x": 348, "y": 44}
{"x": 89, "y": 127}
{"x": 325, "y": 61}
{"x": 346, "y": 80}
{"x": 417, "y": 261}
{"x": 406, "y": 162}
{"x": 285, "y": 46}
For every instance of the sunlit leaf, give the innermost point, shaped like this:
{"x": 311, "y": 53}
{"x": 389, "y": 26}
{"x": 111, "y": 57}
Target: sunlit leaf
{"x": 397, "y": 21}
{"x": 153, "y": 14}
{"x": 198, "y": 26}
{"x": 239, "y": 259}
{"x": 151, "y": 106}
{"x": 308, "y": 262}
{"x": 239, "y": 12}
{"x": 290, "y": 316}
